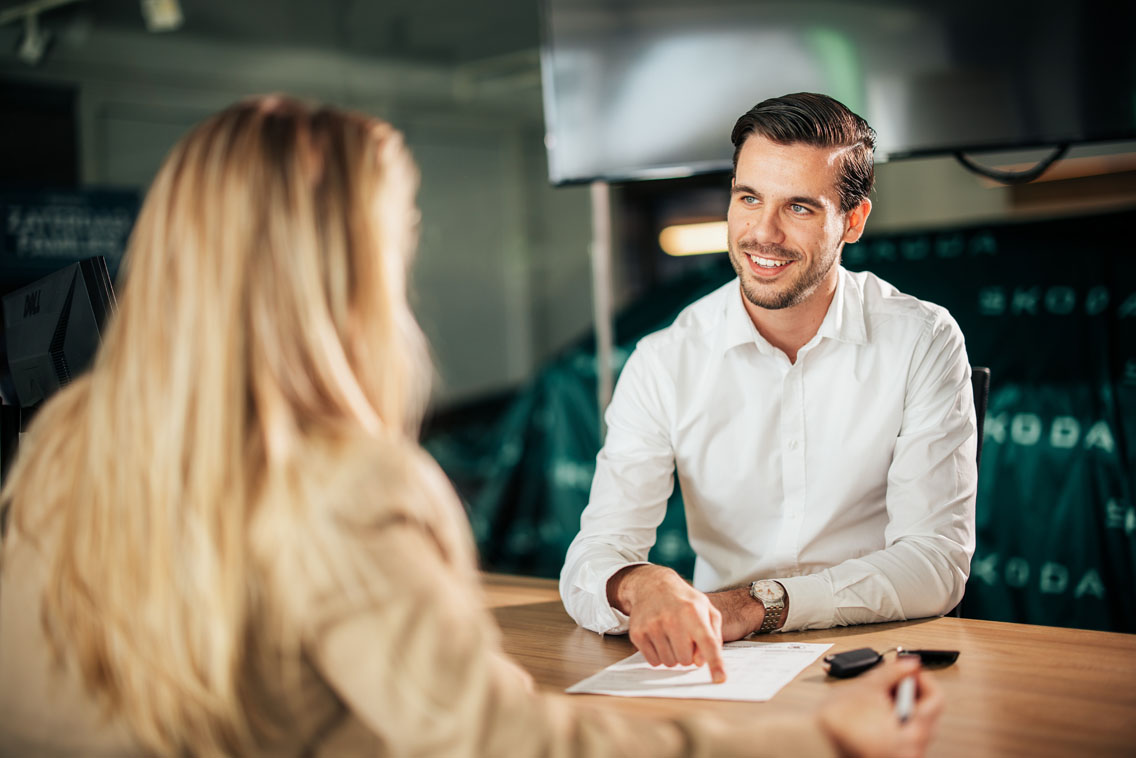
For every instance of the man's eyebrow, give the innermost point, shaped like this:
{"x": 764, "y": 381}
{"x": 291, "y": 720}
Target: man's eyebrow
{"x": 745, "y": 189}
{"x": 802, "y": 200}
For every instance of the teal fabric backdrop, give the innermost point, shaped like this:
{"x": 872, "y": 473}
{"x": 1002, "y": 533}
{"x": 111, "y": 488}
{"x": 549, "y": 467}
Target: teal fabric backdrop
{"x": 1050, "y": 307}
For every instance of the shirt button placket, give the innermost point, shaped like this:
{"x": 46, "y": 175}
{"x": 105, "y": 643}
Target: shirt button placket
{"x": 793, "y": 465}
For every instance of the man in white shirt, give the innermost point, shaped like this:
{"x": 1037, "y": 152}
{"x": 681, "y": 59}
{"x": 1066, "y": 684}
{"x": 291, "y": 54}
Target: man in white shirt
{"x": 821, "y": 424}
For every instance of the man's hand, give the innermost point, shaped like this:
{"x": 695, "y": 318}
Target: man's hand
{"x": 860, "y": 718}
{"x": 671, "y": 622}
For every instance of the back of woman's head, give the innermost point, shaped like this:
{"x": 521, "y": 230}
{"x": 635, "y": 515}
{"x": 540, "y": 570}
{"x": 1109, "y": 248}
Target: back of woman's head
{"x": 264, "y": 310}
{"x": 271, "y": 256}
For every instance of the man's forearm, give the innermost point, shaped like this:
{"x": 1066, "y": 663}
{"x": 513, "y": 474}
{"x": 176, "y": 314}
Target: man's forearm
{"x": 741, "y": 613}
{"x": 913, "y": 578}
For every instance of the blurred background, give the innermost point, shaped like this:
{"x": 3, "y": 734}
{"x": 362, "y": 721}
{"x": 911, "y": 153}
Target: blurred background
{"x": 514, "y": 107}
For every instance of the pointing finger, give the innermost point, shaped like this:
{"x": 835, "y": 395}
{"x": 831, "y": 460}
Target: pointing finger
{"x": 709, "y": 647}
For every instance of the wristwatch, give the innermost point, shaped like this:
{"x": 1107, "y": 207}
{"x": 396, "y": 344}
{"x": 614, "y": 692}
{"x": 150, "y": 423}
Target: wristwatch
{"x": 772, "y": 595}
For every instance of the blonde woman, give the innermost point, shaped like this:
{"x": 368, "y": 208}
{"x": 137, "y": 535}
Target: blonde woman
{"x": 224, "y": 539}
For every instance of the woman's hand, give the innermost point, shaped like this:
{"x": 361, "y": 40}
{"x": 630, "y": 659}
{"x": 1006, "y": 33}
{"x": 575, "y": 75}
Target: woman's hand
{"x": 860, "y": 718}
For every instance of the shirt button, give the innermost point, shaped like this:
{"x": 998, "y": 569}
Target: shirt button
{"x": 792, "y": 444}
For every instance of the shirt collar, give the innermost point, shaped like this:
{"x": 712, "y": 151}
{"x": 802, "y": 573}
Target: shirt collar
{"x": 844, "y": 320}
{"x": 739, "y": 329}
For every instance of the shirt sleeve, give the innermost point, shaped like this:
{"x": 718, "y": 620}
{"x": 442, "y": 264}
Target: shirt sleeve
{"x": 419, "y": 663}
{"x": 931, "y": 489}
{"x": 634, "y": 479}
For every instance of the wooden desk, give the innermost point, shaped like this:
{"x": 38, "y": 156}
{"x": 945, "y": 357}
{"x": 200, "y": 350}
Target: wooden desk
{"x": 1016, "y": 690}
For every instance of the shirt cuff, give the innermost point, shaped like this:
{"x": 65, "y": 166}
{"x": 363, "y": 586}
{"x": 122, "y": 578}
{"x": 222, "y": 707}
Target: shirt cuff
{"x": 615, "y": 621}
{"x": 811, "y": 603}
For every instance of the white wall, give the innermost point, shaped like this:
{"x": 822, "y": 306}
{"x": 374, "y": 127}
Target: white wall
{"x": 559, "y": 231}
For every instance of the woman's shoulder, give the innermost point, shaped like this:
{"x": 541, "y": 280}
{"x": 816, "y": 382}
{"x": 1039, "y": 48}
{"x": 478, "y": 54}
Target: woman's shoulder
{"x": 343, "y": 495}
{"x": 340, "y": 529}
{"x": 366, "y": 478}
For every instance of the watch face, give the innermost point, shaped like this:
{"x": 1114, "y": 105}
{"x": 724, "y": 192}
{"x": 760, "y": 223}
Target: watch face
{"x": 769, "y": 592}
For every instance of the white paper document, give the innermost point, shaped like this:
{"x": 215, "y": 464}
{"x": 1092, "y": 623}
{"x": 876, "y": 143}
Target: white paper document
{"x": 755, "y": 671}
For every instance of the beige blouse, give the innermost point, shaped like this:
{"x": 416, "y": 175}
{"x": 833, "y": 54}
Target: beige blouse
{"x": 408, "y": 665}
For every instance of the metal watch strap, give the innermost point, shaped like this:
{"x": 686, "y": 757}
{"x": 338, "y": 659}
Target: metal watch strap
{"x": 773, "y": 610}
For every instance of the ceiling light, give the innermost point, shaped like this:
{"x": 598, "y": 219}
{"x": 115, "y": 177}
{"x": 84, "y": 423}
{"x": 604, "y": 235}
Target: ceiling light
{"x": 34, "y": 41}
{"x": 162, "y": 15}
{"x": 694, "y": 239}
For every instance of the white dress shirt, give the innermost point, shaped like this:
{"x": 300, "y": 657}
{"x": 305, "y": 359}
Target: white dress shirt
{"x": 849, "y": 475}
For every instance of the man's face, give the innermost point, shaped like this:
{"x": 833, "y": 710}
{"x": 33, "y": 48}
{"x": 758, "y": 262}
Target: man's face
{"x": 786, "y": 229}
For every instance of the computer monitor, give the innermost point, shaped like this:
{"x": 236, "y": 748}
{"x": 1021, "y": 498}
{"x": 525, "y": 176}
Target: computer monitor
{"x": 51, "y": 329}
{"x": 648, "y": 89}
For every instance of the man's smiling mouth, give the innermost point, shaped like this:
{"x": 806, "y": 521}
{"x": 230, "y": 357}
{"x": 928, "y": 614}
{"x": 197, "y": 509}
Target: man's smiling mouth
{"x": 767, "y": 262}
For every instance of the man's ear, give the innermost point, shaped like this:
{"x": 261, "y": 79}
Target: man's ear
{"x": 856, "y": 219}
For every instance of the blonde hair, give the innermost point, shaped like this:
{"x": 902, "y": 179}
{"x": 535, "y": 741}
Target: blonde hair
{"x": 264, "y": 308}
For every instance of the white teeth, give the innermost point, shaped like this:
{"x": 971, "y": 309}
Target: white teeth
{"x": 766, "y": 263}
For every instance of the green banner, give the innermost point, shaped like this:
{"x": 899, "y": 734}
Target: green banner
{"x": 1050, "y": 307}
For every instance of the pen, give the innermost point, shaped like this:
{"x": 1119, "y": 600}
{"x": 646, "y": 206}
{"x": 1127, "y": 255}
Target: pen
{"x": 905, "y": 698}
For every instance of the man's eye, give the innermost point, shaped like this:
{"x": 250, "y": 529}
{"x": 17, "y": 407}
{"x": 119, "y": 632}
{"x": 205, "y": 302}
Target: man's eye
{"x": 800, "y": 210}
{"x": 749, "y": 199}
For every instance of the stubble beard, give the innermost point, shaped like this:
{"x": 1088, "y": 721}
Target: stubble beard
{"x": 776, "y": 296}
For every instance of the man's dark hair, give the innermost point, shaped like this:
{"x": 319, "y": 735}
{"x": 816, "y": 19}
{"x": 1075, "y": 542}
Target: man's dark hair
{"x": 820, "y": 121}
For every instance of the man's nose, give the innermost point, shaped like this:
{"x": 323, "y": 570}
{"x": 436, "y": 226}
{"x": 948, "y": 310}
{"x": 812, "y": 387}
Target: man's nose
{"x": 764, "y": 229}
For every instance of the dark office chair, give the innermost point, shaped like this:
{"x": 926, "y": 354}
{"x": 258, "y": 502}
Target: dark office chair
{"x": 980, "y": 383}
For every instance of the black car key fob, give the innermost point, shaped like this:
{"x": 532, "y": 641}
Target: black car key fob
{"x": 934, "y": 657}
{"x": 852, "y": 662}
